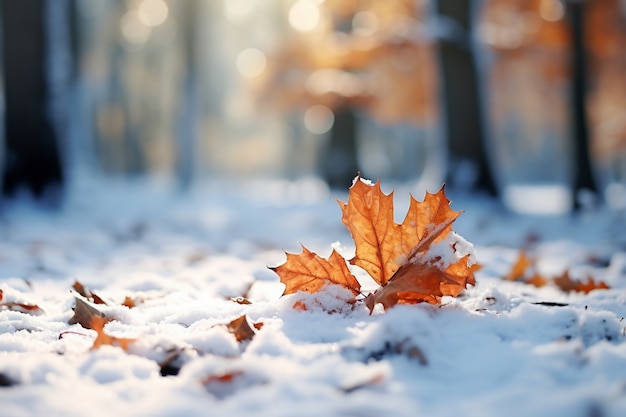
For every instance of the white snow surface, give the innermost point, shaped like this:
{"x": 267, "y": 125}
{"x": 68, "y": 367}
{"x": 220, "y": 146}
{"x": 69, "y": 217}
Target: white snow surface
{"x": 501, "y": 348}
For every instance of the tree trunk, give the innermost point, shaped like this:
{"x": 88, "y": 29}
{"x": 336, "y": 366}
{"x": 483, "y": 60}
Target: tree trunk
{"x": 461, "y": 95}
{"x": 32, "y": 148}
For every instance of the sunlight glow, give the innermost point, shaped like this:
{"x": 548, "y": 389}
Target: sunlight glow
{"x": 153, "y": 12}
{"x": 551, "y": 10}
{"x": 304, "y": 16}
{"x": 319, "y": 119}
{"x": 237, "y": 9}
{"x": 251, "y": 62}
{"x": 133, "y": 29}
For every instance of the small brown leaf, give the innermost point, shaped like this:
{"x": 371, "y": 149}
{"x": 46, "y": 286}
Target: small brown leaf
{"x": 537, "y": 280}
{"x": 129, "y": 302}
{"x": 240, "y": 300}
{"x": 84, "y": 313}
{"x": 87, "y": 293}
{"x": 21, "y": 307}
{"x": 241, "y": 329}
{"x": 225, "y": 377}
{"x": 97, "y": 324}
{"x": 309, "y": 272}
{"x": 518, "y": 270}
{"x": 565, "y": 283}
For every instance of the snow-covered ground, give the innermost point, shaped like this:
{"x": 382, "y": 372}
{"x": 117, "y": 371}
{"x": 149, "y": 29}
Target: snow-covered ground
{"x": 502, "y": 348}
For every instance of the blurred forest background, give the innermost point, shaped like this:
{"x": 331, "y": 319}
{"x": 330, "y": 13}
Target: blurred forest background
{"x": 520, "y": 98}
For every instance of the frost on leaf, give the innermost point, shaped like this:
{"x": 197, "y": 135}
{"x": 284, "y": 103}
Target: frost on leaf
{"x": 418, "y": 260}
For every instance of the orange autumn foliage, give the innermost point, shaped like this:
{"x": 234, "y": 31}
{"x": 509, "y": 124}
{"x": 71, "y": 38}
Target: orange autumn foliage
{"x": 395, "y": 255}
{"x": 524, "y": 263}
{"x": 97, "y": 324}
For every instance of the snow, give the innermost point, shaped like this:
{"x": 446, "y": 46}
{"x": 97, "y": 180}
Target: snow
{"x": 501, "y": 348}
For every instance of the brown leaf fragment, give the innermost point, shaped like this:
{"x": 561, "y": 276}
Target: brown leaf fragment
{"x": 225, "y": 383}
{"x": 84, "y": 313}
{"x": 537, "y": 280}
{"x": 309, "y": 272}
{"x": 518, "y": 270}
{"x": 33, "y": 309}
{"x": 376, "y": 379}
{"x": 129, "y": 302}
{"x": 97, "y": 324}
{"x": 241, "y": 329}
{"x": 87, "y": 293}
{"x": 567, "y": 284}
{"x": 221, "y": 377}
{"x": 240, "y": 300}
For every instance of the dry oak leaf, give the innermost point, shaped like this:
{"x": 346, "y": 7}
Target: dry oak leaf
{"x": 97, "y": 324}
{"x": 309, "y": 272}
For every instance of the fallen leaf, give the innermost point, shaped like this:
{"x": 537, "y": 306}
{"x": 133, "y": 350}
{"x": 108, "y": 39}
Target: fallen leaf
{"x": 376, "y": 379}
{"x": 241, "y": 300}
{"x": 84, "y": 313}
{"x": 129, "y": 302}
{"x": 97, "y": 324}
{"x": 567, "y": 284}
{"x": 241, "y": 328}
{"x": 518, "y": 270}
{"x": 309, "y": 272}
{"x": 221, "y": 377}
{"x": 87, "y": 293}
{"x": 21, "y": 307}
{"x": 537, "y": 280}
{"x": 416, "y": 283}
{"x": 225, "y": 383}
{"x": 396, "y": 256}
{"x": 381, "y": 244}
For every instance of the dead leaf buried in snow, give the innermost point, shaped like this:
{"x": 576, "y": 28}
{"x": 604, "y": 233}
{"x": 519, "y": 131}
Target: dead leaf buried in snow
{"x": 241, "y": 329}
{"x": 33, "y": 309}
{"x": 97, "y": 324}
{"x": 87, "y": 293}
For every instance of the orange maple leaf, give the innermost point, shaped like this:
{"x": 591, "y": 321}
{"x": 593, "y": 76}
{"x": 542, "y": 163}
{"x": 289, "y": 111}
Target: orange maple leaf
{"x": 309, "y": 272}
{"x": 381, "y": 244}
{"x": 396, "y": 256}
{"x": 97, "y": 324}
{"x": 416, "y": 283}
